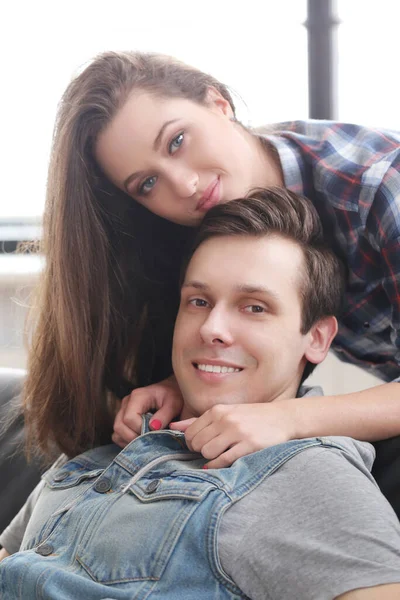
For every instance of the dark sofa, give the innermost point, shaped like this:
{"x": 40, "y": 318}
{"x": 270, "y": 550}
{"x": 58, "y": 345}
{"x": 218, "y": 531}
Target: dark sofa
{"x": 16, "y": 476}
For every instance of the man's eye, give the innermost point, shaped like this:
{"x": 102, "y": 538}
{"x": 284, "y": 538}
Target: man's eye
{"x": 147, "y": 185}
{"x": 254, "y": 309}
{"x": 199, "y": 302}
{"x": 176, "y": 143}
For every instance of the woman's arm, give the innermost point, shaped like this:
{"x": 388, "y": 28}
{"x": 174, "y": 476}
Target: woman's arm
{"x": 226, "y": 432}
{"x": 370, "y": 415}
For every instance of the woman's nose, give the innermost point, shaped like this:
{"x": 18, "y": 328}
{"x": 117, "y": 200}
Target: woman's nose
{"x": 184, "y": 182}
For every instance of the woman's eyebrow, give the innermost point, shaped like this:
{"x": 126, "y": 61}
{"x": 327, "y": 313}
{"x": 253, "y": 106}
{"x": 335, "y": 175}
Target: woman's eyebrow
{"x": 157, "y": 141}
{"x": 156, "y": 145}
{"x": 131, "y": 178}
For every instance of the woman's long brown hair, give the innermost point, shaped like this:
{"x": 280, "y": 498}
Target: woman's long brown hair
{"x": 104, "y": 310}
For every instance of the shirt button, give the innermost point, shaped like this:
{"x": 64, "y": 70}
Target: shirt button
{"x": 44, "y": 549}
{"x": 61, "y": 476}
{"x": 103, "y": 485}
{"x": 153, "y": 485}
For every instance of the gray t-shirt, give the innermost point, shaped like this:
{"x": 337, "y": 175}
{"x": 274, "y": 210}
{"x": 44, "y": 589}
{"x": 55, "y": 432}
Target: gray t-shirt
{"x": 315, "y": 529}
{"x": 11, "y": 537}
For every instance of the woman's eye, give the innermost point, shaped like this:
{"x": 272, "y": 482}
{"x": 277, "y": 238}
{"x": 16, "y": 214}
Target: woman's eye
{"x": 147, "y": 185}
{"x": 254, "y": 309}
{"x": 176, "y": 143}
{"x": 198, "y": 302}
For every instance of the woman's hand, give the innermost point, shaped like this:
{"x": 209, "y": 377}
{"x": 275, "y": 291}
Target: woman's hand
{"x": 163, "y": 397}
{"x": 224, "y": 433}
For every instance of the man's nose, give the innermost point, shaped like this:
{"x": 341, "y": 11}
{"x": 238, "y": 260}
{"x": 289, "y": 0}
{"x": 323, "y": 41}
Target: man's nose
{"x": 184, "y": 182}
{"x": 216, "y": 329}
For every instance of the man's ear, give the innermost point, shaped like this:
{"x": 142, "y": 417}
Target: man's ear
{"x": 216, "y": 101}
{"x": 321, "y": 336}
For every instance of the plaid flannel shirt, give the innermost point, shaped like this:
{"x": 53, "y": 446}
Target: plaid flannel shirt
{"x": 352, "y": 176}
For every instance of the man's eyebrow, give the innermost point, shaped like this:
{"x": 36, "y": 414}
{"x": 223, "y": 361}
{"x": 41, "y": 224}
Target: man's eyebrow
{"x": 198, "y": 285}
{"x": 242, "y": 288}
{"x": 156, "y": 145}
{"x": 256, "y": 289}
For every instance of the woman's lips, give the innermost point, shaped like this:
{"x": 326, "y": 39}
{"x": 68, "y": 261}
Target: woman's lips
{"x": 210, "y": 197}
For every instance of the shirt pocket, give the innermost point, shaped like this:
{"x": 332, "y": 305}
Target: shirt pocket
{"x": 63, "y": 489}
{"x": 135, "y": 535}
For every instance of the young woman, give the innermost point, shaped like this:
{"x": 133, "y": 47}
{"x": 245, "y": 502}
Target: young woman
{"x": 144, "y": 145}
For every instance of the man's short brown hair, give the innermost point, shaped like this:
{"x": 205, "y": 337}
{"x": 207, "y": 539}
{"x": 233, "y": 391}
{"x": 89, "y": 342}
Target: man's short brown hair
{"x": 278, "y": 211}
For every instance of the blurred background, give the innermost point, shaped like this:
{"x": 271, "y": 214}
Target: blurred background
{"x": 283, "y": 60}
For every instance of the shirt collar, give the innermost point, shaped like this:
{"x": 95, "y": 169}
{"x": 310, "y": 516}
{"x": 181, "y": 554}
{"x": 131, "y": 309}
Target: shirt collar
{"x": 307, "y": 391}
{"x": 292, "y": 163}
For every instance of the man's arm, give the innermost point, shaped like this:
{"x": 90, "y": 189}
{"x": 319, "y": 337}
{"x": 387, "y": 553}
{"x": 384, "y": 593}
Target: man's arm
{"x": 12, "y": 536}
{"x": 381, "y": 592}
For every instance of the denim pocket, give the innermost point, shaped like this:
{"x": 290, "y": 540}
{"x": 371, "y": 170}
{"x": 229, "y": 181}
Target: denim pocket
{"x": 134, "y": 536}
{"x": 63, "y": 488}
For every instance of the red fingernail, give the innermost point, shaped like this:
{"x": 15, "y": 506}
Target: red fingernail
{"x": 204, "y": 467}
{"x": 155, "y": 424}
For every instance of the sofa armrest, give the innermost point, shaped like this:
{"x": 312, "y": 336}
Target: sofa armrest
{"x": 18, "y": 478}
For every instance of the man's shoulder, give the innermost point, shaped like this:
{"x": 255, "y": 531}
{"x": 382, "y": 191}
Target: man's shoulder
{"x": 359, "y": 453}
{"x": 333, "y": 465}
{"x": 319, "y": 508}
{"x": 362, "y": 453}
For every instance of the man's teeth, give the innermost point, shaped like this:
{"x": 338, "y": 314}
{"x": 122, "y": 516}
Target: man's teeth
{"x": 217, "y": 369}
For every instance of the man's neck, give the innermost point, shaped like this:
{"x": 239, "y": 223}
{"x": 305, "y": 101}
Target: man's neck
{"x": 288, "y": 394}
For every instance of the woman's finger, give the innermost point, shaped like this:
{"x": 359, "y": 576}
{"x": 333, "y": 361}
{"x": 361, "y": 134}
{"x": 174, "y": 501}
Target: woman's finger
{"x": 182, "y": 425}
{"x": 217, "y": 445}
{"x": 198, "y": 425}
{"x": 123, "y": 431}
{"x": 118, "y": 440}
{"x": 205, "y": 437}
{"x": 226, "y": 459}
{"x": 163, "y": 416}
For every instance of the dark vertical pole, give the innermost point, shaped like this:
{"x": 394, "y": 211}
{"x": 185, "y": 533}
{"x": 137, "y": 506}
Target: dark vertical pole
{"x": 322, "y": 58}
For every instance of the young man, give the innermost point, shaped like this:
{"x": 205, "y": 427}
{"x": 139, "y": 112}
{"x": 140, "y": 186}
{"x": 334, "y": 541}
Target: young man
{"x": 301, "y": 519}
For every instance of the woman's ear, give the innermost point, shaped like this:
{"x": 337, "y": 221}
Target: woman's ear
{"x": 216, "y": 101}
{"x": 321, "y": 336}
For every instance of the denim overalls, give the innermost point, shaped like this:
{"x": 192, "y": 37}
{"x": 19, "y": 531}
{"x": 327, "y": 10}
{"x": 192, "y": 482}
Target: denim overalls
{"x": 141, "y": 523}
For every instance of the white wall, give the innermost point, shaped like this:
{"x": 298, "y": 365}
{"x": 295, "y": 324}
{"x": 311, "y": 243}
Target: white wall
{"x": 251, "y": 46}
{"x": 337, "y": 377}
{"x": 18, "y": 275}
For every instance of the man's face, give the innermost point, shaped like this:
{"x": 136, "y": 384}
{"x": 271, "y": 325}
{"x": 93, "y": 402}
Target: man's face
{"x": 237, "y": 335}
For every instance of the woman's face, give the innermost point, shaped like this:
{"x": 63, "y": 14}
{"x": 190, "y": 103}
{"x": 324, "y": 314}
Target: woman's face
{"x": 179, "y": 158}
